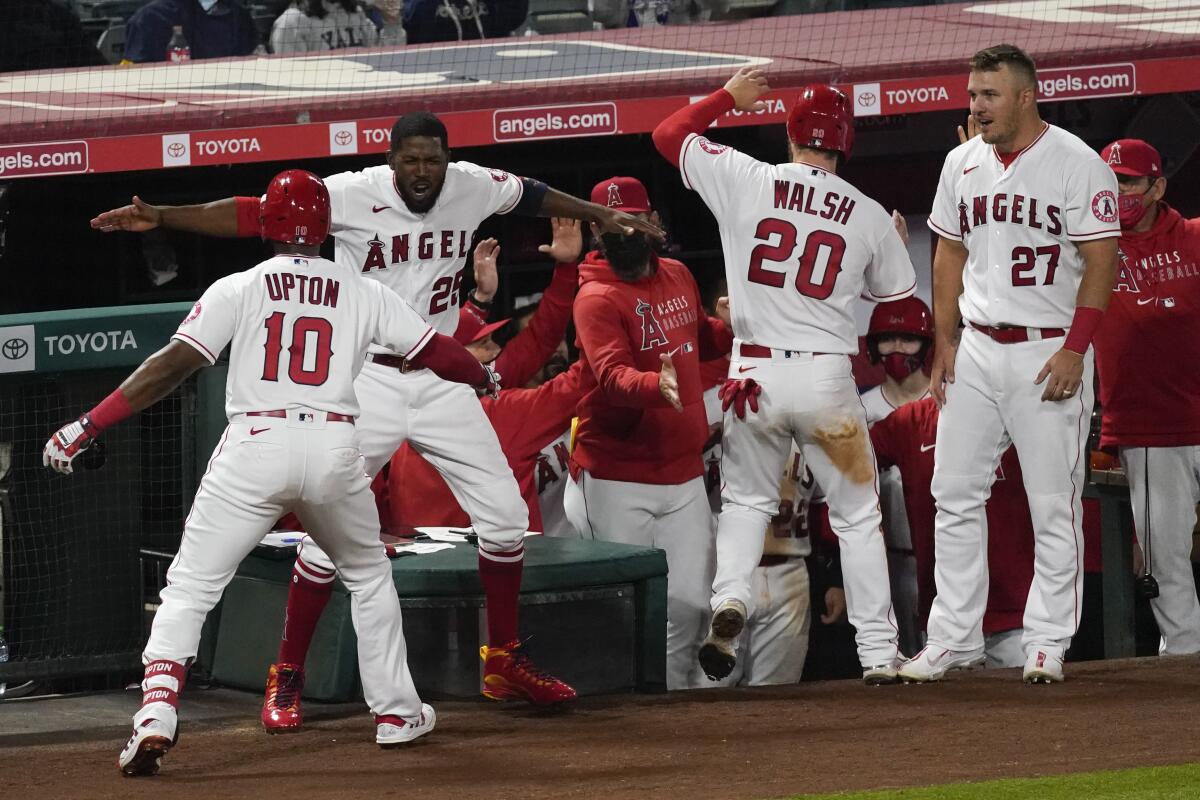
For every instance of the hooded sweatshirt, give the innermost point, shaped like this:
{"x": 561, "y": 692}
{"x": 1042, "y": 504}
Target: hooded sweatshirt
{"x": 1148, "y": 346}
{"x": 627, "y": 431}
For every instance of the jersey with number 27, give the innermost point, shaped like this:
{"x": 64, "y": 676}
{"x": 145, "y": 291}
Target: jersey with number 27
{"x": 298, "y": 330}
{"x": 801, "y": 245}
{"x": 418, "y": 256}
{"x": 1020, "y": 224}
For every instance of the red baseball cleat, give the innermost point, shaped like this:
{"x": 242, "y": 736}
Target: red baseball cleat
{"x": 281, "y": 707}
{"x": 509, "y": 674}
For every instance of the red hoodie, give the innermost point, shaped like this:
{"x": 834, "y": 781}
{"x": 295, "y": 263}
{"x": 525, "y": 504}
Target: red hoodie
{"x": 1148, "y": 346}
{"x": 627, "y": 431}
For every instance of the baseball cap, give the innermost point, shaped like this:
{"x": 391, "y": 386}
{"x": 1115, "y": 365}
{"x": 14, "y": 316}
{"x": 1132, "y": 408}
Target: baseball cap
{"x": 1133, "y": 157}
{"x": 488, "y": 330}
{"x": 623, "y": 194}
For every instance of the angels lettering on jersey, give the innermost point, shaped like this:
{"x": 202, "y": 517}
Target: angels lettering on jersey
{"x": 546, "y": 473}
{"x": 1016, "y": 209}
{"x": 428, "y": 246}
{"x": 664, "y": 316}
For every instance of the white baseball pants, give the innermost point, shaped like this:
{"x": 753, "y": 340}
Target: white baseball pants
{"x": 445, "y": 423}
{"x": 262, "y": 469}
{"x": 675, "y": 518}
{"x": 1164, "y": 487}
{"x": 813, "y": 401}
{"x": 993, "y": 403}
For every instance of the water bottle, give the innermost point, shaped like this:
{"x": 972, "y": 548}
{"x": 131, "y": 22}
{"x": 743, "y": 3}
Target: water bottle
{"x": 178, "y": 49}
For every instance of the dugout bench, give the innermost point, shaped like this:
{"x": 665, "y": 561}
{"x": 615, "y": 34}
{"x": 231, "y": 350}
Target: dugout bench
{"x": 596, "y": 613}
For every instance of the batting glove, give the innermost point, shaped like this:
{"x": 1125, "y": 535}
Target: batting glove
{"x": 739, "y": 393}
{"x": 67, "y": 443}
{"x": 492, "y": 387}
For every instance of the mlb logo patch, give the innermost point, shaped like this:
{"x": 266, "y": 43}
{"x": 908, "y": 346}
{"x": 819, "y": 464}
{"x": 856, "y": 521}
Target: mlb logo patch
{"x": 306, "y": 417}
{"x": 687, "y": 347}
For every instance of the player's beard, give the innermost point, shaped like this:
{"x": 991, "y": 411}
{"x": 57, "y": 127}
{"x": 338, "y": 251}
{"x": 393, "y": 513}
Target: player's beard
{"x": 627, "y": 255}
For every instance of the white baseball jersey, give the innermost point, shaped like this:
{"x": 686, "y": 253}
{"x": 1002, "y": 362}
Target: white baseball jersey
{"x": 551, "y": 476}
{"x": 1019, "y": 223}
{"x": 418, "y": 256}
{"x": 299, "y": 329}
{"x": 800, "y": 244}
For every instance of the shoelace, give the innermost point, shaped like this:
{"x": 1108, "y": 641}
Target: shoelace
{"x": 522, "y": 664}
{"x": 287, "y": 689}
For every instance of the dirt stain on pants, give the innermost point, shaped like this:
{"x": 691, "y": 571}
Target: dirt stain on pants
{"x": 845, "y": 442}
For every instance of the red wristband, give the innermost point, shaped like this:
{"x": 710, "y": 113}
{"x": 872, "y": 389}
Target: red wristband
{"x": 1083, "y": 328}
{"x": 110, "y": 411}
{"x": 248, "y": 222}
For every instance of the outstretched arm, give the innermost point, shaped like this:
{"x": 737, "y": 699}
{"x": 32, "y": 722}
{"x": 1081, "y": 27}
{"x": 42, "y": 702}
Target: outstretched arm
{"x": 228, "y": 217}
{"x": 742, "y": 92}
{"x": 152, "y": 381}
{"x": 609, "y": 220}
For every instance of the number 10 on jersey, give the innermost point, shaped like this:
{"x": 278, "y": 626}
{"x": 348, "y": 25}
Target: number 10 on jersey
{"x": 309, "y": 350}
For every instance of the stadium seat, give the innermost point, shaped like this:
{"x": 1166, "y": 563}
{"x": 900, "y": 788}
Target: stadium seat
{"x": 559, "y": 16}
{"x": 111, "y": 43}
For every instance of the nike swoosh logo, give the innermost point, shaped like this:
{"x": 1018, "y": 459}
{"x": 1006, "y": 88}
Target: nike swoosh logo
{"x": 377, "y": 209}
{"x": 925, "y": 448}
{"x": 1147, "y": 300}
{"x": 746, "y": 369}
{"x": 968, "y": 169}
{"x": 257, "y": 431}
{"x": 673, "y": 352}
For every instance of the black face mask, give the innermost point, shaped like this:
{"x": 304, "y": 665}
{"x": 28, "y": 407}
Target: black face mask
{"x": 627, "y": 255}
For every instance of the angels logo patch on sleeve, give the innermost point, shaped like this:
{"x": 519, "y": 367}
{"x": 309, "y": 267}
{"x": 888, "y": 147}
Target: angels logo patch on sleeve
{"x": 498, "y": 175}
{"x": 1104, "y": 206}
{"x": 712, "y": 148}
{"x": 195, "y": 312}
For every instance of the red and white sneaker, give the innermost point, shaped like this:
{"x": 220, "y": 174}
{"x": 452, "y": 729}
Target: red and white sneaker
{"x": 394, "y": 731}
{"x": 155, "y": 731}
{"x": 281, "y": 711}
{"x": 508, "y": 674}
{"x": 1043, "y": 665}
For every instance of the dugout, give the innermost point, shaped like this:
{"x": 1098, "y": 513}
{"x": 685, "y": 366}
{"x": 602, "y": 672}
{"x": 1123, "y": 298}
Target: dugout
{"x": 570, "y": 110}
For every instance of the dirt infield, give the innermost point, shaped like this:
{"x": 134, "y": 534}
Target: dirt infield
{"x": 751, "y": 743}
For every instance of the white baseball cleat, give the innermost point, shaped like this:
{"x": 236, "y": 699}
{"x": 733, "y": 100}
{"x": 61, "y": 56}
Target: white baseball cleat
{"x": 155, "y": 731}
{"x": 718, "y": 653}
{"x": 394, "y": 731}
{"x": 932, "y": 663}
{"x": 1043, "y": 666}
{"x": 882, "y": 674}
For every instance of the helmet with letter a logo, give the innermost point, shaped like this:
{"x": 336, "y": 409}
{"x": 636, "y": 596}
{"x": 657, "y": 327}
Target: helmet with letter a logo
{"x": 822, "y": 118}
{"x": 295, "y": 209}
{"x": 908, "y": 318}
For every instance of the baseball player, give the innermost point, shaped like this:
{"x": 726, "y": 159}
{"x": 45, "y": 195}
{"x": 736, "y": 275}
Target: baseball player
{"x": 900, "y": 337}
{"x": 299, "y": 327}
{"x": 905, "y": 441}
{"x": 1149, "y": 364}
{"x": 800, "y": 246}
{"x": 408, "y": 224}
{"x": 1027, "y": 219}
{"x": 411, "y": 492}
{"x": 636, "y": 469}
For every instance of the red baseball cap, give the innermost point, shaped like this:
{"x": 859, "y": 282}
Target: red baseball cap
{"x": 1133, "y": 157}
{"x": 488, "y": 330}
{"x": 623, "y": 194}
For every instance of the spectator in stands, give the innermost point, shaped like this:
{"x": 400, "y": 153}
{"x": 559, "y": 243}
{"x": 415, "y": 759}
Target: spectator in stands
{"x": 42, "y": 34}
{"x": 649, "y": 13}
{"x": 454, "y": 20}
{"x": 316, "y": 25}
{"x": 213, "y": 29}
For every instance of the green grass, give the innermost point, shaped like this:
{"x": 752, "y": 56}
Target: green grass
{"x": 1148, "y": 783}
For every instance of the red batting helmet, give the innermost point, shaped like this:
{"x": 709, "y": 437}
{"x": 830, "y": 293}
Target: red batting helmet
{"x": 907, "y": 317}
{"x": 822, "y": 118}
{"x": 295, "y": 209}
